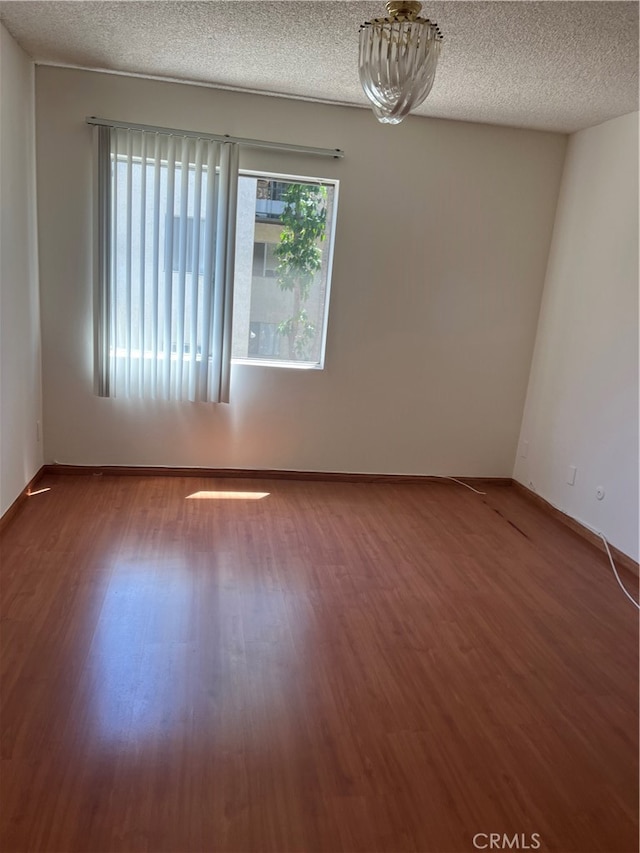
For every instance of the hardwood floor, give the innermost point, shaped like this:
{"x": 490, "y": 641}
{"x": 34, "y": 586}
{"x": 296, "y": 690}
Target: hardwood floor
{"x": 332, "y": 667}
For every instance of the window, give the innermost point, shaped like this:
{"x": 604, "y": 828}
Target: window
{"x": 265, "y": 260}
{"x": 165, "y": 286}
{"x": 269, "y": 198}
{"x": 175, "y": 219}
{"x": 284, "y": 242}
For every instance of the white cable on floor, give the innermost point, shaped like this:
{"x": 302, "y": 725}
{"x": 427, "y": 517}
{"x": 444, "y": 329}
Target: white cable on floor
{"x": 613, "y": 565}
{"x": 593, "y": 530}
{"x": 615, "y": 571}
{"x": 466, "y": 485}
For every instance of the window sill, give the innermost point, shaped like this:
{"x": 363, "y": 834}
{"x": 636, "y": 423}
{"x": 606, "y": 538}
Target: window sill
{"x": 265, "y": 362}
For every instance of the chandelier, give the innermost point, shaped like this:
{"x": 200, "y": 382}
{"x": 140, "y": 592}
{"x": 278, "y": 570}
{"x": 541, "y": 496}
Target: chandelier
{"x": 398, "y": 58}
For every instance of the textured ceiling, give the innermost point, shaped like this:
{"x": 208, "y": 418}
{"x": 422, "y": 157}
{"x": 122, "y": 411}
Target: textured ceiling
{"x": 552, "y": 65}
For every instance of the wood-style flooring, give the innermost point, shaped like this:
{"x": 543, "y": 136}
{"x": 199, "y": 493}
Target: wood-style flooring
{"x": 329, "y": 667}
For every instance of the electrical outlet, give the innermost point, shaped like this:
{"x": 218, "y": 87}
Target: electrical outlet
{"x": 599, "y": 493}
{"x": 571, "y": 475}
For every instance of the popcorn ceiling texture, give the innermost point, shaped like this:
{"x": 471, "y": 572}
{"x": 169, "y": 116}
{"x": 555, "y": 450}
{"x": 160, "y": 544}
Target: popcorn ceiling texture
{"x": 559, "y": 66}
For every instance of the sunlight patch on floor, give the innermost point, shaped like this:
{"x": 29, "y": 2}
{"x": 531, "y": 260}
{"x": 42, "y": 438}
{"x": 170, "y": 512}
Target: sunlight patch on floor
{"x": 228, "y": 496}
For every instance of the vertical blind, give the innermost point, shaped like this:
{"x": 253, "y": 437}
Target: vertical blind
{"x": 166, "y": 218}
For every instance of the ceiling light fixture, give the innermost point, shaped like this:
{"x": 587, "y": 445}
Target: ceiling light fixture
{"x": 398, "y": 58}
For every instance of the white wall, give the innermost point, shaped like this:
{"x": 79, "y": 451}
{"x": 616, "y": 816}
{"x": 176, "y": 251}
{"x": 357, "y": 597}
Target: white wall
{"x": 582, "y": 403}
{"x": 443, "y": 232}
{"x": 20, "y": 405}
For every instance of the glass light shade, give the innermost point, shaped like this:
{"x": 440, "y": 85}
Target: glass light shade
{"x": 398, "y": 58}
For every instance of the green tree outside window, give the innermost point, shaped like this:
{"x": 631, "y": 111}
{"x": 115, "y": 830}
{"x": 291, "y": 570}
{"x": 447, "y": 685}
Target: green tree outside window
{"x": 304, "y": 221}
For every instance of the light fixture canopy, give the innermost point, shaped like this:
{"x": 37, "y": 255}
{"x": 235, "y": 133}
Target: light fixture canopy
{"x": 398, "y": 58}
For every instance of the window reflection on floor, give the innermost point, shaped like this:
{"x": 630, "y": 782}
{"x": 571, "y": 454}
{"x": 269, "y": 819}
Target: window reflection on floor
{"x": 190, "y": 642}
{"x": 141, "y": 642}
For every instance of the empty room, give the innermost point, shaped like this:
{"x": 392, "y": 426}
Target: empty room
{"x": 318, "y": 426}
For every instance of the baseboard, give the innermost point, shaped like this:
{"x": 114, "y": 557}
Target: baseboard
{"x": 266, "y": 474}
{"x": 622, "y": 560}
{"x": 17, "y": 505}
